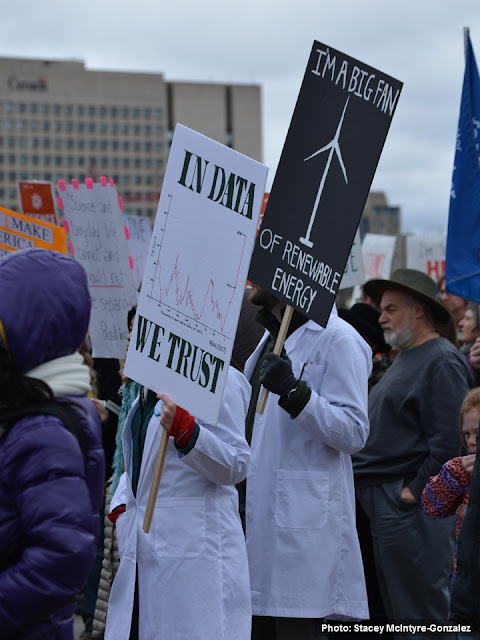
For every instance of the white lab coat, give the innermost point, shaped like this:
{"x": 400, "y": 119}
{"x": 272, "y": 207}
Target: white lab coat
{"x": 192, "y": 567}
{"x": 302, "y": 543}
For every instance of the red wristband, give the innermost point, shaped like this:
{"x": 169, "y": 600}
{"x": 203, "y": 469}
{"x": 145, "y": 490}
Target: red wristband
{"x": 182, "y": 427}
{"x": 116, "y": 512}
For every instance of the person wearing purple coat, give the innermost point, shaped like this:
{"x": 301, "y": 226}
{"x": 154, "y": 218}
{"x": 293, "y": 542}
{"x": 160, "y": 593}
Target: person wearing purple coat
{"x": 50, "y": 491}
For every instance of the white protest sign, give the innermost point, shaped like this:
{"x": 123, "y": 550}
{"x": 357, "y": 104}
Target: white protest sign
{"x": 378, "y": 252}
{"x": 195, "y": 274}
{"x": 426, "y": 253}
{"x": 94, "y": 222}
{"x": 139, "y": 236}
{"x": 354, "y": 271}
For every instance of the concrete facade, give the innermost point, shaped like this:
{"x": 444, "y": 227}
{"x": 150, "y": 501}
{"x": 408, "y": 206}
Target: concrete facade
{"x": 59, "y": 120}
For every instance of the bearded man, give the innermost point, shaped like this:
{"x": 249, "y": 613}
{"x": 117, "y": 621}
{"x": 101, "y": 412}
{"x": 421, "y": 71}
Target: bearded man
{"x": 413, "y": 415}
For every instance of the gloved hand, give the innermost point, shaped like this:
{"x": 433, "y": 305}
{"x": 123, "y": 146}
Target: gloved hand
{"x": 182, "y": 428}
{"x": 276, "y": 374}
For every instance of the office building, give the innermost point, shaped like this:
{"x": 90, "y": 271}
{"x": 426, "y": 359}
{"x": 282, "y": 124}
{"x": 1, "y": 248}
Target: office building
{"x": 59, "y": 120}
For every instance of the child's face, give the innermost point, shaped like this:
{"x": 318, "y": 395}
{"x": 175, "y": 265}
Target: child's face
{"x": 470, "y": 429}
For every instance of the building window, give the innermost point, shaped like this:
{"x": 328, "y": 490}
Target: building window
{"x": 22, "y": 160}
{"x": 157, "y": 113}
{"x": 12, "y": 176}
{"x": 92, "y": 145}
{"x": 91, "y": 111}
{"x": 125, "y": 146}
{"x": 102, "y": 127}
{"x": 124, "y": 112}
{"x": 80, "y": 144}
{"x": 137, "y": 163}
{"x": 102, "y": 111}
{"x": 136, "y": 112}
{"x": 114, "y": 145}
{"x": 81, "y": 161}
{"x": 58, "y": 161}
{"x": 103, "y": 145}
{"x": 126, "y": 163}
{"x": 68, "y": 109}
{"x": 22, "y": 107}
{"x": 46, "y": 143}
{"x": 34, "y": 143}
{"x": 45, "y": 108}
{"x": 33, "y": 108}
{"x": 46, "y": 125}
{"x": 137, "y": 146}
{"x": 57, "y": 143}
{"x": 12, "y": 158}
{"x": 57, "y": 109}
{"x": 69, "y": 143}
{"x": 22, "y": 142}
{"x": 80, "y": 127}
{"x": 79, "y": 110}
{"x": 46, "y": 160}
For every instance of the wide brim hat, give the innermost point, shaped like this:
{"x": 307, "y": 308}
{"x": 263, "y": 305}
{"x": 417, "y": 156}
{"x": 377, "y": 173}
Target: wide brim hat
{"x": 415, "y": 283}
{"x": 364, "y": 318}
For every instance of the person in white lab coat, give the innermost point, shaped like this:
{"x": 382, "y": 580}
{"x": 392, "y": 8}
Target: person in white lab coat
{"x": 302, "y": 545}
{"x": 188, "y": 577}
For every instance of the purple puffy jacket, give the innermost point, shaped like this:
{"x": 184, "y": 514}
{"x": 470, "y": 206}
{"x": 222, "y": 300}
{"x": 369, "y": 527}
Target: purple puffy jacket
{"x": 50, "y": 501}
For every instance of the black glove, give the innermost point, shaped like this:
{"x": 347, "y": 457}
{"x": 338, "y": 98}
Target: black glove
{"x": 276, "y": 374}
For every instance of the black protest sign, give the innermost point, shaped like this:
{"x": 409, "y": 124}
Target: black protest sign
{"x": 341, "y": 119}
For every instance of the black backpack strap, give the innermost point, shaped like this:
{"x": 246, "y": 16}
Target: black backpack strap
{"x": 64, "y": 411}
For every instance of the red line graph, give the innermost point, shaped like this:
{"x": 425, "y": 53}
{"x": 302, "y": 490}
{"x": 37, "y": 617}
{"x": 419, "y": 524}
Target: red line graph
{"x": 185, "y": 298}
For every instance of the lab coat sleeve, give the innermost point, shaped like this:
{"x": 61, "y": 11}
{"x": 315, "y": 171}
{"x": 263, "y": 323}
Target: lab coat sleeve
{"x": 221, "y": 453}
{"x": 337, "y": 411}
{"x": 120, "y": 495}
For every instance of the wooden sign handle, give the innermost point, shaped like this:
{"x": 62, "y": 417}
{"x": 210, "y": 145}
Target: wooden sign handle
{"x": 157, "y": 474}
{"x": 277, "y": 349}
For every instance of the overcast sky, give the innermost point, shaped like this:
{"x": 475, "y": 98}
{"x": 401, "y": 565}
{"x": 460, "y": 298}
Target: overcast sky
{"x": 419, "y": 42}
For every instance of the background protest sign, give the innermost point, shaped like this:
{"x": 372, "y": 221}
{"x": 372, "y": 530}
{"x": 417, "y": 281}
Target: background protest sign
{"x": 22, "y": 232}
{"x": 94, "y": 222}
{"x": 195, "y": 275}
{"x": 37, "y": 200}
{"x": 354, "y": 273}
{"x": 426, "y": 253}
{"x": 139, "y": 235}
{"x": 378, "y": 250}
{"x": 339, "y": 125}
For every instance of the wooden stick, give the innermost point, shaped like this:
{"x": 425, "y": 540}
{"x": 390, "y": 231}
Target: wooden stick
{"x": 282, "y": 334}
{"x": 157, "y": 474}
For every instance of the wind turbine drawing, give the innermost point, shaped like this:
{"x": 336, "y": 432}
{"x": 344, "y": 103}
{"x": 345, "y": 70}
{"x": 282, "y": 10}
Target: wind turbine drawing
{"x": 334, "y": 148}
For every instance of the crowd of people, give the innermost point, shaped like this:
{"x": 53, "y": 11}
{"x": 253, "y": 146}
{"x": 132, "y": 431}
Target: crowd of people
{"x": 353, "y": 496}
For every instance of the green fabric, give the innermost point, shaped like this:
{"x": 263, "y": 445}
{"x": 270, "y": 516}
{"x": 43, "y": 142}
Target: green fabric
{"x": 140, "y": 422}
{"x": 129, "y": 393}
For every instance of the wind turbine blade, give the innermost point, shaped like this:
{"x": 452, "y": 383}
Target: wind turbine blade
{"x": 327, "y": 146}
{"x": 340, "y": 159}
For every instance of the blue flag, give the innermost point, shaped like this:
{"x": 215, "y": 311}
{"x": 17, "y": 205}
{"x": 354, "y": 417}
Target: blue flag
{"x": 462, "y": 269}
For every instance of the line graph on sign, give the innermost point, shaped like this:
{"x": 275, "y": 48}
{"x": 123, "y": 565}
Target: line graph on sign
{"x": 199, "y": 298}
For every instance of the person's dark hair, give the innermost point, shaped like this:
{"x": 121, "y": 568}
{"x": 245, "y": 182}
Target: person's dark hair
{"x": 16, "y": 389}
{"x": 130, "y": 315}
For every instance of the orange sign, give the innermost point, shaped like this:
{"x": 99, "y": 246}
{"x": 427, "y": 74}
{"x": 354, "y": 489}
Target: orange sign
{"x": 37, "y": 200}
{"x": 21, "y": 232}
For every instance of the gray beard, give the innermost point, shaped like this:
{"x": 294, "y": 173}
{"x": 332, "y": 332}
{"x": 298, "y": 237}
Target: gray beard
{"x": 400, "y": 339}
